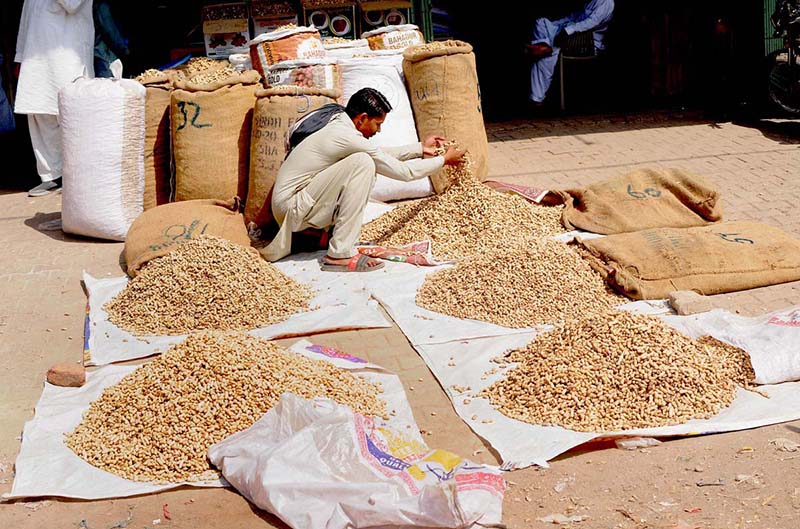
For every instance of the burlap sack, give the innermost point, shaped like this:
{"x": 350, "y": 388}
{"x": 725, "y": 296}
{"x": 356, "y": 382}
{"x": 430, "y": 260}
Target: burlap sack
{"x": 158, "y": 231}
{"x": 443, "y": 87}
{"x": 211, "y": 136}
{"x": 157, "y": 173}
{"x": 275, "y": 112}
{"x": 724, "y": 257}
{"x": 640, "y": 200}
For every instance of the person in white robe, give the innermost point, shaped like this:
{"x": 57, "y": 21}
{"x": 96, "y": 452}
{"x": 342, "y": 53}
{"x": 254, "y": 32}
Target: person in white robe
{"x": 55, "y": 46}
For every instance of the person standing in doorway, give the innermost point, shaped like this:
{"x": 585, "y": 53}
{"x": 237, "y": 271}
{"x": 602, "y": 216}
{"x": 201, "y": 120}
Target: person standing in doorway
{"x": 55, "y": 46}
{"x": 548, "y": 34}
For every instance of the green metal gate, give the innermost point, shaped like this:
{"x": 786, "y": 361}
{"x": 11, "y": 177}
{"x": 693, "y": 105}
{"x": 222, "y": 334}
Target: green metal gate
{"x": 771, "y": 43}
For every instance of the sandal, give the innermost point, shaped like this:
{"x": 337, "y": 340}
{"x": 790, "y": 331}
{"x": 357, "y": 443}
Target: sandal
{"x": 357, "y": 263}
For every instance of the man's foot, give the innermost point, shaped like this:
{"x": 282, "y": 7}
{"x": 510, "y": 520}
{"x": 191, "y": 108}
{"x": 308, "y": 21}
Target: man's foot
{"x": 45, "y": 188}
{"x": 539, "y": 49}
{"x": 357, "y": 263}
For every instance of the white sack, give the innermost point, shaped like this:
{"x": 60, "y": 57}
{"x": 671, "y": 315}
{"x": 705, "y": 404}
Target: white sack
{"x": 772, "y": 341}
{"x": 102, "y": 123}
{"x": 399, "y": 127}
{"x": 317, "y": 464}
{"x": 346, "y": 50}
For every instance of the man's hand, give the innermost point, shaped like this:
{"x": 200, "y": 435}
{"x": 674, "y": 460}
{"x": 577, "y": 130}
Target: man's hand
{"x": 430, "y": 145}
{"x": 454, "y": 156}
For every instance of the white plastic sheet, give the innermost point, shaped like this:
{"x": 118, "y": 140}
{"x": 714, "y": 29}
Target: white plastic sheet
{"x": 772, "y": 341}
{"x": 458, "y": 365}
{"x": 317, "y": 464}
{"x": 46, "y": 467}
{"x": 459, "y": 353}
{"x": 396, "y": 287}
{"x": 342, "y": 301}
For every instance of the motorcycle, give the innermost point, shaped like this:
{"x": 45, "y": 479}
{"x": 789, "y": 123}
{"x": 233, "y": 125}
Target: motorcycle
{"x": 784, "y": 64}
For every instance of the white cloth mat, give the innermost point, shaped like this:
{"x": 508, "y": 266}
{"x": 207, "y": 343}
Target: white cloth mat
{"x": 46, "y": 467}
{"x": 342, "y": 301}
{"x": 520, "y": 444}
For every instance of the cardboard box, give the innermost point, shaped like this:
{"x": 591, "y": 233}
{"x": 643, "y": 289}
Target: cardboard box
{"x": 270, "y": 15}
{"x": 226, "y": 29}
{"x": 266, "y": 25}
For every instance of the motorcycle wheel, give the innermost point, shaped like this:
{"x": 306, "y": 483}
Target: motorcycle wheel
{"x": 784, "y": 82}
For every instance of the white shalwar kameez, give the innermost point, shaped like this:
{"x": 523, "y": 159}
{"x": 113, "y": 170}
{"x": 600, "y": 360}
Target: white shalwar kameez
{"x": 55, "y": 46}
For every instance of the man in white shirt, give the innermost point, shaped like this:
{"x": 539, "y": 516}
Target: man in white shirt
{"x": 327, "y": 176}
{"x": 55, "y": 45}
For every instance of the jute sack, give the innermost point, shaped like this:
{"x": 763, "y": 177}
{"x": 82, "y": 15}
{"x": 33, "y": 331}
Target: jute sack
{"x": 276, "y": 110}
{"x": 640, "y": 200}
{"x": 160, "y": 230}
{"x": 724, "y": 257}
{"x": 211, "y": 136}
{"x": 157, "y": 173}
{"x": 443, "y": 86}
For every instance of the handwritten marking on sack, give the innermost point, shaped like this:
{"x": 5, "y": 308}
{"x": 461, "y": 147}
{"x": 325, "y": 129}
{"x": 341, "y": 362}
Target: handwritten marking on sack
{"x": 429, "y": 89}
{"x": 178, "y": 234}
{"x": 790, "y": 319}
{"x": 330, "y": 352}
{"x": 733, "y": 237}
{"x": 648, "y": 192}
{"x": 182, "y": 106}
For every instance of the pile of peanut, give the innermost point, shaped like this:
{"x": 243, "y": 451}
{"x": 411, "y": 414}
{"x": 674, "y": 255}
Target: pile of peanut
{"x": 212, "y": 76}
{"x": 522, "y": 284}
{"x": 614, "y": 370}
{"x": 467, "y": 219}
{"x": 437, "y": 45}
{"x": 207, "y": 283}
{"x": 158, "y": 422}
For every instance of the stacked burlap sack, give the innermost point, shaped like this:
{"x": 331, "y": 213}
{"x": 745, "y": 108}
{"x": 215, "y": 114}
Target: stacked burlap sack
{"x": 276, "y": 110}
{"x": 211, "y": 136}
{"x": 443, "y": 85}
{"x": 157, "y": 144}
{"x": 665, "y": 235}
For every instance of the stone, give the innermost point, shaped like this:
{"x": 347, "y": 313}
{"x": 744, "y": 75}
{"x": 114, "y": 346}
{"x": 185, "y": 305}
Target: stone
{"x": 67, "y": 375}
{"x": 687, "y": 302}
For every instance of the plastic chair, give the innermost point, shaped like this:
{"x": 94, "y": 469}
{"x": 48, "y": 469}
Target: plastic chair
{"x": 576, "y": 47}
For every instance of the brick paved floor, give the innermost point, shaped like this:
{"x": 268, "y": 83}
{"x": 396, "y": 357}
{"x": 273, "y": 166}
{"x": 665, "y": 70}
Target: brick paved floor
{"x": 758, "y": 172}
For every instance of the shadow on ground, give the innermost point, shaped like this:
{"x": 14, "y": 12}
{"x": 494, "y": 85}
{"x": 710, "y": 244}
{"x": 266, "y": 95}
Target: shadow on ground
{"x": 520, "y": 129}
{"x": 785, "y": 132}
